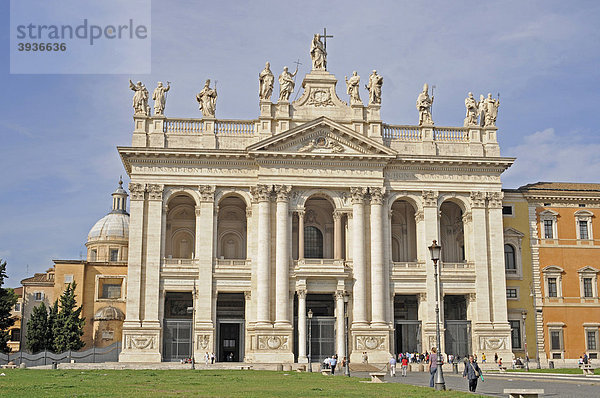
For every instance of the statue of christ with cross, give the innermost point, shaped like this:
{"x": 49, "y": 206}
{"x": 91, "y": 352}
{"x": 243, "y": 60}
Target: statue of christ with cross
{"x": 318, "y": 51}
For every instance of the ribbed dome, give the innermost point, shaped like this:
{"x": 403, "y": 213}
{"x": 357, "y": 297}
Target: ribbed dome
{"x": 112, "y": 225}
{"x": 109, "y": 314}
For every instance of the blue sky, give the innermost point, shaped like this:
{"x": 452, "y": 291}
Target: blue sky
{"x": 59, "y": 162}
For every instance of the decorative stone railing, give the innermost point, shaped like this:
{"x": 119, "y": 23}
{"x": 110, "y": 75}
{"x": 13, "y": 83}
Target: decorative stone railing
{"x": 222, "y": 127}
{"x": 183, "y": 126}
{"x": 408, "y": 264}
{"x": 223, "y": 262}
{"x": 178, "y": 261}
{"x": 453, "y": 134}
{"x": 402, "y": 133}
{"x": 235, "y": 127}
{"x": 459, "y": 265}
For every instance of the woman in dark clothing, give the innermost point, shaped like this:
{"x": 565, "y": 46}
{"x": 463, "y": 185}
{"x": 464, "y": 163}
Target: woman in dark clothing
{"x": 472, "y": 373}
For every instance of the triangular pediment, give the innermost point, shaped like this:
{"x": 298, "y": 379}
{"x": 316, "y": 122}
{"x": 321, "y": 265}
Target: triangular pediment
{"x": 321, "y": 136}
{"x": 513, "y": 232}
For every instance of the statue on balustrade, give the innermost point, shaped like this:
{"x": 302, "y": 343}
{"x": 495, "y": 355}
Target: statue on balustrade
{"x": 318, "y": 53}
{"x": 491, "y": 110}
{"x": 374, "y": 87}
{"x": 160, "y": 98}
{"x": 207, "y": 98}
{"x": 140, "y": 98}
{"x": 266, "y": 80}
{"x": 481, "y": 110}
{"x": 352, "y": 87}
{"x": 424, "y": 103}
{"x": 286, "y": 84}
{"x": 472, "y": 108}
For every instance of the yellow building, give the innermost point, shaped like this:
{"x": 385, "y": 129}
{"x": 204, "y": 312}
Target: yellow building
{"x": 566, "y": 264}
{"x": 519, "y": 277}
{"x": 14, "y": 341}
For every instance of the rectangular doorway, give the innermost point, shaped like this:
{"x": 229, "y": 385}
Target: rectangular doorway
{"x": 230, "y": 327}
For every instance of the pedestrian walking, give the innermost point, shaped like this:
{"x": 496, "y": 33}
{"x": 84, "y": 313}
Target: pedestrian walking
{"x": 432, "y": 362}
{"x": 392, "y": 367}
{"x": 472, "y": 373}
{"x": 212, "y": 358}
{"x": 404, "y": 366}
{"x": 333, "y": 364}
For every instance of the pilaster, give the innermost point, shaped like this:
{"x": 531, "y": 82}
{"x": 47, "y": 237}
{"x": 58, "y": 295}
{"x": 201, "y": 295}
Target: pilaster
{"x": 204, "y": 256}
{"x": 157, "y": 133}
{"x": 140, "y": 131}
{"x": 480, "y": 257}
{"x": 209, "y": 133}
{"x": 265, "y": 120}
{"x": 153, "y": 245}
{"x": 282, "y": 266}
{"x": 374, "y": 122}
{"x": 283, "y": 116}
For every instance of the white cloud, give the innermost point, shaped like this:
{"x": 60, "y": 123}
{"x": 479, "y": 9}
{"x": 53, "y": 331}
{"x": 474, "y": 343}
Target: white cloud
{"x": 548, "y": 156}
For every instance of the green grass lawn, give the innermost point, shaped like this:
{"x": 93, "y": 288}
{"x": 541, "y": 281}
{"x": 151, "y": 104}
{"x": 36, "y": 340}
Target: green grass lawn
{"x": 573, "y": 371}
{"x": 186, "y": 383}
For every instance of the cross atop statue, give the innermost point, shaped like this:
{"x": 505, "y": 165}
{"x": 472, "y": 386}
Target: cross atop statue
{"x": 325, "y": 36}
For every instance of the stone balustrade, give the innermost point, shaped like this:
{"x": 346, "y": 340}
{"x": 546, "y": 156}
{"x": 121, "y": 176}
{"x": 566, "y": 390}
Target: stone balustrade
{"x": 235, "y": 127}
{"x": 402, "y": 133}
{"x": 223, "y": 262}
{"x": 458, "y": 265}
{"x": 452, "y": 134}
{"x": 183, "y": 126}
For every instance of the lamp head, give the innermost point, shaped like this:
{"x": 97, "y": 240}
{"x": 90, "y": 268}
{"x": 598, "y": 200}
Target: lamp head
{"x": 310, "y": 313}
{"x": 434, "y": 251}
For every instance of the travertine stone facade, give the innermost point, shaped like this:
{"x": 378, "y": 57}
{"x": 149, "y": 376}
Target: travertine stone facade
{"x": 315, "y": 198}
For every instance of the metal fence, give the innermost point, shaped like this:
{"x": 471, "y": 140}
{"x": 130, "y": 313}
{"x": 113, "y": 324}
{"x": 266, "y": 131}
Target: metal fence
{"x": 91, "y": 355}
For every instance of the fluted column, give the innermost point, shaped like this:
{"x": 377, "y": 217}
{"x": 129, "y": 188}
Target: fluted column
{"x": 301, "y": 234}
{"x": 339, "y": 324}
{"x": 282, "y": 266}
{"x": 337, "y": 235}
{"x": 359, "y": 266}
{"x": 163, "y": 232}
{"x": 302, "y": 325}
{"x": 377, "y": 276}
{"x": 263, "y": 196}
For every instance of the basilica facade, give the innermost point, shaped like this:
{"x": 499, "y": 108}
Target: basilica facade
{"x": 306, "y": 230}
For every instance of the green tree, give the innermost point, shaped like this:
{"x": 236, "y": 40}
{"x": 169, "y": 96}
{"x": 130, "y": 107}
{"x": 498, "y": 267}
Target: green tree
{"x": 8, "y": 299}
{"x": 37, "y": 330}
{"x": 68, "y": 327}
{"x": 52, "y": 314}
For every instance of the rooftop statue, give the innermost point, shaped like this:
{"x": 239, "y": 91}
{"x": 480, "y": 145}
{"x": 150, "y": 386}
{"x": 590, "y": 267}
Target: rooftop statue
{"x": 472, "y": 108}
{"x": 207, "y": 98}
{"x": 352, "y": 87}
{"x": 481, "y": 110}
{"x": 140, "y": 98}
{"x": 286, "y": 84}
{"x": 424, "y": 103}
{"x": 374, "y": 87}
{"x": 266, "y": 79}
{"x": 318, "y": 53}
{"x": 491, "y": 110}
{"x": 160, "y": 98}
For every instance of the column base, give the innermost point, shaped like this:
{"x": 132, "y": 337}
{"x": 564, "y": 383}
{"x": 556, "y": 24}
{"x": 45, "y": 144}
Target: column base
{"x": 302, "y": 359}
{"x": 141, "y": 345}
{"x": 269, "y": 345}
{"x": 375, "y": 342}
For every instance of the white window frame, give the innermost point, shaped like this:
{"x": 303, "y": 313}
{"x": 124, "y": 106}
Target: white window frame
{"x": 68, "y": 278}
{"x": 123, "y": 287}
{"x": 514, "y": 238}
{"x": 18, "y": 304}
{"x": 584, "y": 215}
{"x": 588, "y": 272}
{"x": 514, "y": 288}
{"x": 41, "y": 296}
{"x": 553, "y": 271}
{"x": 552, "y": 216}
{"x": 556, "y": 327}
{"x": 512, "y": 210}
{"x": 592, "y": 327}
{"x": 110, "y": 250}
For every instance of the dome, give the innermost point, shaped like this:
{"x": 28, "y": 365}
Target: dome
{"x": 112, "y": 225}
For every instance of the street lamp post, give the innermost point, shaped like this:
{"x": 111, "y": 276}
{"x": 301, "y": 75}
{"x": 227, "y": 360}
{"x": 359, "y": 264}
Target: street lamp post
{"x": 524, "y": 314}
{"x": 440, "y": 384}
{"x": 310, "y": 315}
{"x": 347, "y": 367}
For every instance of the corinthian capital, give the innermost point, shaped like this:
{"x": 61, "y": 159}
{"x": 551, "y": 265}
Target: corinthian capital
{"x": 136, "y": 191}
{"x": 430, "y": 198}
{"x": 377, "y": 195}
{"x": 155, "y": 191}
{"x": 207, "y": 193}
{"x": 261, "y": 193}
{"x": 283, "y": 192}
{"x": 478, "y": 199}
{"x": 495, "y": 200}
{"x": 358, "y": 194}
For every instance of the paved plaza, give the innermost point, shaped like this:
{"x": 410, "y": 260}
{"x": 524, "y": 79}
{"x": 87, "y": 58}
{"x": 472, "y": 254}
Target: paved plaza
{"x": 494, "y": 384}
